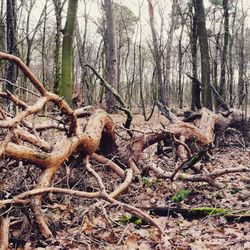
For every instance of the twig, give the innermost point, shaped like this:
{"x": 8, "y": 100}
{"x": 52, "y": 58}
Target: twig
{"x": 20, "y": 87}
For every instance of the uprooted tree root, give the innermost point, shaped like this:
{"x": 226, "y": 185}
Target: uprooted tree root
{"x": 86, "y": 134}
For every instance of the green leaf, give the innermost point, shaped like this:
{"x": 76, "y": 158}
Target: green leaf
{"x": 137, "y": 221}
{"x": 146, "y": 181}
{"x": 125, "y": 218}
{"x": 181, "y": 195}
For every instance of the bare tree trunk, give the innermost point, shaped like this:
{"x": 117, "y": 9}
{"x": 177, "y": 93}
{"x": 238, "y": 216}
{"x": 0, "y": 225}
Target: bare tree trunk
{"x": 180, "y": 57}
{"x": 58, "y": 6}
{"x": 11, "y": 19}
{"x": 241, "y": 81}
{"x": 161, "y": 89}
{"x": 193, "y": 40}
{"x": 67, "y": 48}
{"x": 222, "y": 90}
{"x": 2, "y": 35}
{"x": 111, "y": 58}
{"x": 230, "y": 57}
{"x": 173, "y": 23}
{"x": 204, "y": 51}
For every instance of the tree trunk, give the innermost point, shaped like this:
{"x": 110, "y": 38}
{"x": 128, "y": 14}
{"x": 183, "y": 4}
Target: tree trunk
{"x": 204, "y": 51}
{"x": 173, "y": 23}
{"x": 2, "y": 35}
{"x": 241, "y": 84}
{"x": 222, "y": 90}
{"x": 230, "y": 57}
{"x": 111, "y": 54}
{"x": 67, "y": 48}
{"x": 58, "y": 6}
{"x": 195, "y": 104}
{"x": 11, "y": 19}
{"x": 161, "y": 89}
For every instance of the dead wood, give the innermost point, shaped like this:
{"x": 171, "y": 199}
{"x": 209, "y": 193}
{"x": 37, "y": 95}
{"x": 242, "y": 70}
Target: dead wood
{"x": 4, "y": 234}
{"x": 89, "y": 134}
{"x": 202, "y": 212}
{"x": 124, "y": 107}
{"x": 25, "y": 145}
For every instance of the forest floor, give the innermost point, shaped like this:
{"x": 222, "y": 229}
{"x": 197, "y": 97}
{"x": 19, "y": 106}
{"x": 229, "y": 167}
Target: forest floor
{"x": 92, "y": 224}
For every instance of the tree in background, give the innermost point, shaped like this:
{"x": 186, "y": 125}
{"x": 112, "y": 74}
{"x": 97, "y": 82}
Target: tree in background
{"x": 222, "y": 89}
{"x": 58, "y": 8}
{"x": 204, "y": 52}
{"x": 11, "y": 24}
{"x": 2, "y": 32}
{"x": 241, "y": 54}
{"x": 162, "y": 95}
{"x": 111, "y": 54}
{"x": 65, "y": 89}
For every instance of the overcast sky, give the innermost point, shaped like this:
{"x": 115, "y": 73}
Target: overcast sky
{"x": 94, "y": 7}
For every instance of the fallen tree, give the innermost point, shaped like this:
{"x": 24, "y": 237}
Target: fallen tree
{"x": 88, "y": 134}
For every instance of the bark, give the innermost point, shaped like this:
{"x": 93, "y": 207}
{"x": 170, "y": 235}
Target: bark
{"x": 4, "y": 234}
{"x": 11, "y": 19}
{"x": 66, "y": 87}
{"x": 230, "y": 57}
{"x": 180, "y": 56}
{"x": 2, "y": 36}
{"x": 111, "y": 54}
{"x": 241, "y": 81}
{"x": 169, "y": 48}
{"x": 222, "y": 91}
{"x": 195, "y": 104}
{"x": 204, "y": 51}
{"x": 58, "y": 7}
{"x": 161, "y": 88}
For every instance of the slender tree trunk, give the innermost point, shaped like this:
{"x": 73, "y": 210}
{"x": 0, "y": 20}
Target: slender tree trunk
{"x": 241, "y": 81}
{"x": 111, "y": 56}
{"x": 204, "y": 51}
{"x": 193, "y": 40}
{"x": 161, "y": 89}
{"x": 67, "y": 50}
{"x": 2, "y": 36}
{"x": 222, "y": 90}
{"x": 173, "y": 23}
{"x": 44, "y": 57}
{"x": 58, "y": 6}
{"x": 11, "y": 19}
{"x": 180, "y": 57}
{"x": 230, "y": 57}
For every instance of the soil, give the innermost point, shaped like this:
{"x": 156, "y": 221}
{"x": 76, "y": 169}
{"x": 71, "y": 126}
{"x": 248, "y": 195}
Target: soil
{"x": 92, "y": 224}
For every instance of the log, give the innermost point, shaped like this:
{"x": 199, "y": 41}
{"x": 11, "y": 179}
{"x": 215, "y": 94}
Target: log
{"x": 201, "y": 212}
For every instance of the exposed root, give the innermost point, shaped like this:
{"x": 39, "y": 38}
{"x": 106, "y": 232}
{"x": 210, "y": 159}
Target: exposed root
{"x": 4, "y": 233}
{"x": 209, "y": 178}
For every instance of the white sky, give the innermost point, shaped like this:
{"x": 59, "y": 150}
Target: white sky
{"x": 94, "y": 7}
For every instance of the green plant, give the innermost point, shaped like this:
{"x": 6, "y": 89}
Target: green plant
{"x": 181, "y": 195}
{"x": 128, "y": 218}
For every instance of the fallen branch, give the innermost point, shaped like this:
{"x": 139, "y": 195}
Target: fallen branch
{"x": 109, "y": 163}
{"x": 124, "y": 106}
{"x": 20, "y": 199}
{"x": 209, "y": 178}
{"x": 4, "y": 233}
{"x": 201, "y": 212}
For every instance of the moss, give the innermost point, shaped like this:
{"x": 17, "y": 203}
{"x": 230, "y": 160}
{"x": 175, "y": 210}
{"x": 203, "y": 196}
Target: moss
{"x": 212, "y": 210}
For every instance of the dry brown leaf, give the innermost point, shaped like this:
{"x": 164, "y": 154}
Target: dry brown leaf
{"x": 132, "y": 241}
{"x": 87, "y": 228}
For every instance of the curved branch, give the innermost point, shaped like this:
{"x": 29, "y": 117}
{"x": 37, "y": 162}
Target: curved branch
{"x": 124, "y": 106}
